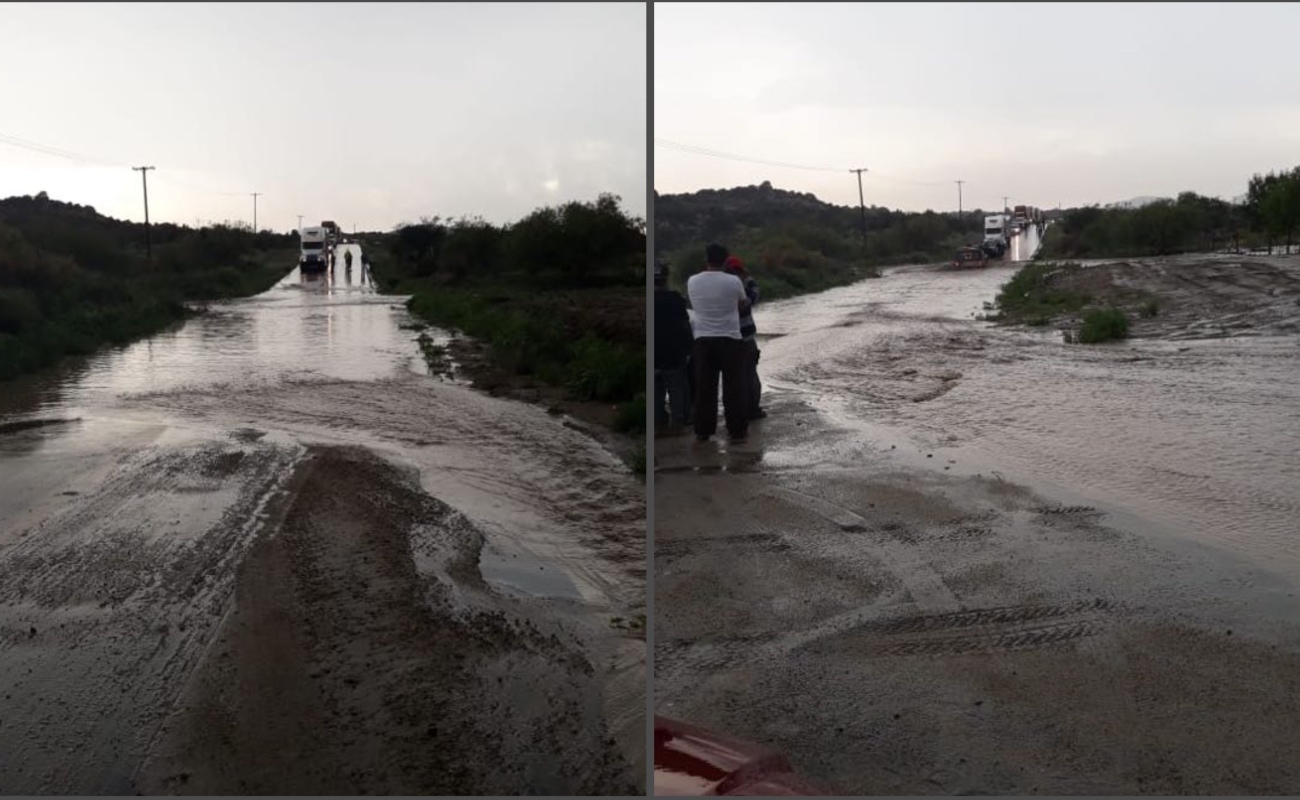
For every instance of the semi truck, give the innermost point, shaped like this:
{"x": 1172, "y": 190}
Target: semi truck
{"x": 995, "y": 235}
{"x": 314, "y": 255}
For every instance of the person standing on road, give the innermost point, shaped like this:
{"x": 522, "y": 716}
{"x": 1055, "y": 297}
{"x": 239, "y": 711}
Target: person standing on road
{"x": 673, "y": 342}
{"x": 717, "y": 299}
{"x": 748, "y": 334}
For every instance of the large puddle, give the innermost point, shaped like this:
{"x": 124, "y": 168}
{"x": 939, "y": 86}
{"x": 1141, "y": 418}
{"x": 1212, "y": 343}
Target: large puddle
{"x": 63, "y": 429}
{"x": 333, "y": 325}
{"x": 1197, "y": 436}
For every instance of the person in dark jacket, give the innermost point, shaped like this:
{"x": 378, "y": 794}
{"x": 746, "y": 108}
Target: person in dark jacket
{"x": 673, "y": 343}
{"x": 749, "y": 333}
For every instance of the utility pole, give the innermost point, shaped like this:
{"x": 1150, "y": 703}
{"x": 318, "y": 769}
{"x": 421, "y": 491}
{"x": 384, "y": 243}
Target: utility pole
{"x": 959, "y": 183}
{"x": 1004, "y": 204}
{"x": 862, "y": 204}
{"x": 255, "y": 194}
{"x": 144, "y": 180}
{"x": 300, "y": 222}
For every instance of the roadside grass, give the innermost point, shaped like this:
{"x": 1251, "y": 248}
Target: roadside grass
{"x": 1030, "y": 298}
{"x": 435, "y": 355}
{"x": 1038, "y": 296}
{"x": 560, "y": 338}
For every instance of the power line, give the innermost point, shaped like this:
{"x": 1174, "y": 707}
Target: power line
{"x": 72, "y": 155}
{"x": 704, "y": 151}
{"x": 59, "y": 152}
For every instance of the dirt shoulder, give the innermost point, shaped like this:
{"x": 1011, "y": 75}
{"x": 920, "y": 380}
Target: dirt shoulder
{"x": 356, "y": 660}
{"x": 914, "y": 632}
{"x": 1176, "y": 297}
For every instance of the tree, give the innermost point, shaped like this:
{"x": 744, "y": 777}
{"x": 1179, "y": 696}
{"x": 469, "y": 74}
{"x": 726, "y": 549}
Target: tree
{"x": 421, "y": 244}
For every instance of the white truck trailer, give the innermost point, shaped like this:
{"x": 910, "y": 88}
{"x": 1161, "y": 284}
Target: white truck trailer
{"x": 314, "y": 255}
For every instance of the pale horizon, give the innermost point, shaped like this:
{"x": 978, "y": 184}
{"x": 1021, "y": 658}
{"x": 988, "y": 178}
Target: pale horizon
{"x": 368, "y": 114}
{"x": 1080, "y": 104}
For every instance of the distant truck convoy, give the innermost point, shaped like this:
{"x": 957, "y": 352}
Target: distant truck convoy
{"x": 314, "y": 255}
{"x": 1024, "y": 216}
{"x": 331, "y": 231}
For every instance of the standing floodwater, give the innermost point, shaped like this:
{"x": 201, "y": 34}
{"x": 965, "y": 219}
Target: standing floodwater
{"x": 387, "y": 582}
{"x": 1198, "y": 435}
{"x": 962, "y": 559}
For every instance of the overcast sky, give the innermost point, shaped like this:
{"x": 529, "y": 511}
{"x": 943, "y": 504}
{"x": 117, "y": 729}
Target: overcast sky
{"x": 368, "y": 114}
{"x": 1046, "y": 103}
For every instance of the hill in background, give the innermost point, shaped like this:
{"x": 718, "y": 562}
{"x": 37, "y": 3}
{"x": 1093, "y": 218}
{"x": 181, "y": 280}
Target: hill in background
{"x": 795, "y": 243}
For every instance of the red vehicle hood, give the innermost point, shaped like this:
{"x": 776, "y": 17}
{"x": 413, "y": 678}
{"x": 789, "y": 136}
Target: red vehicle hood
{"x": 693, "y": 762}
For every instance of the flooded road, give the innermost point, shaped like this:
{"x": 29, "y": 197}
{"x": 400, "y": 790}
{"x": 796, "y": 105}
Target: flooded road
{"x": 1199, "y": 436}
{"x": 961, "y": 559}
{"x": 267, "y": 553}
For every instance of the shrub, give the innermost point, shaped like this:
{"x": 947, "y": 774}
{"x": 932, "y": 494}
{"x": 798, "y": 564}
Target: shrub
{"x": 1103, "y": 325}
{"x": 631, "y": 416}
{"x": 636, "y": 459}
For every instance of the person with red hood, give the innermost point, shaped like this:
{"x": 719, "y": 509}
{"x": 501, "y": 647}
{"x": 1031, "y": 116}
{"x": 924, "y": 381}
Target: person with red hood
{"x": 748, "y": 333}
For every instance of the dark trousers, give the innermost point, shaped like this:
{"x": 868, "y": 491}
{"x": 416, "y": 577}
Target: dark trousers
{"x": 720, "y": 357}
{"x": 753, "y": 386}
{"x": 672, "y": 385}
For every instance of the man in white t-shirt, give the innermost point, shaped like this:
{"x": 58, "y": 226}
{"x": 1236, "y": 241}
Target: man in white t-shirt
{"x": 716, "y": 300}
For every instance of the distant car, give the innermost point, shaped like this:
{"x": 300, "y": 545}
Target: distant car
{"x": 691, "y": 761}
{"x": 970, "y": 257}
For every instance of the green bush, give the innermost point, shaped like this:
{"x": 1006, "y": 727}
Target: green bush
{"x": 631, "y": 416}
{"x": 636, "y": 460}
{"x": 604, "y": 371}
{"x": 1103, "y": 325}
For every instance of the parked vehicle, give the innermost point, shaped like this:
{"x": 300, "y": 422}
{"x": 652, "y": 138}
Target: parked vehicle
{"x": 693, "y": 762}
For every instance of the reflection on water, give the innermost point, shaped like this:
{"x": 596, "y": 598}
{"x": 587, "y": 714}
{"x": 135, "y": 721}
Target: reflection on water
{"x": 1201, "y": 436}
{"x": 331, "y": 324}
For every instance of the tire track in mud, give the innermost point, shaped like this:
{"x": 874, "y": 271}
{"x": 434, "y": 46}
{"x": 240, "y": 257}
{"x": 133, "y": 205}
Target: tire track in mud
{"x": 496, "y": 446}
{"x": 362, "y": 660}
{"x": 938, "y": 627}
{"x": 922, "y": 582}
{"x": 107, "y": 606}
{"x": 861, "y": 633}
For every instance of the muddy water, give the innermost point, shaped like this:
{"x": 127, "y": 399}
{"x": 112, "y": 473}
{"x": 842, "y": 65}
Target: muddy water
{"x": 135, "y": 487}
{"x": 1197, "y": 439}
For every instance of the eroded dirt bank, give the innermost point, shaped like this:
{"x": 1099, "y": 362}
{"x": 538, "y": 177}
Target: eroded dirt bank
{"x": 957, "y": 558}
{"x": 1195, "y": 296}
{"x": 356, "y": 659}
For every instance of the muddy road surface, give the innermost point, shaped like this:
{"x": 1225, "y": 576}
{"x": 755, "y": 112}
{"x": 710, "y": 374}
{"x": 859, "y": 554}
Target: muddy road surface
{"x": 266, "y": 553}
{"x": 963, "y": 559}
